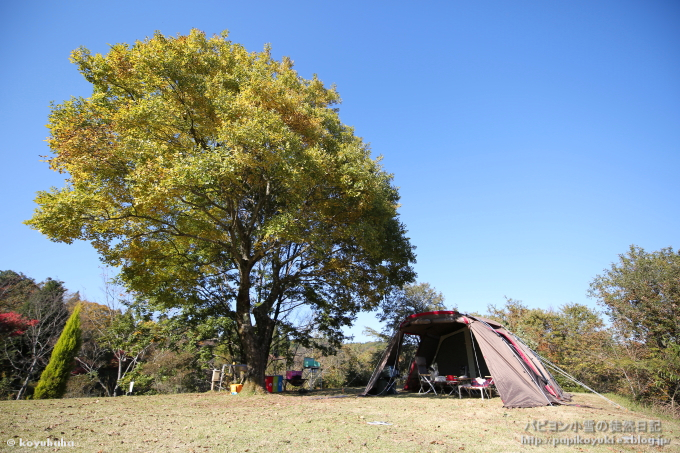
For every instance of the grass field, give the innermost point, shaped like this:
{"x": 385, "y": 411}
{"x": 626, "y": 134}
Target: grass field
{"x": 321, "y": 421}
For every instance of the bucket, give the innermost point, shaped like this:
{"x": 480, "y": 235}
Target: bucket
{"x": 236, "y": 388}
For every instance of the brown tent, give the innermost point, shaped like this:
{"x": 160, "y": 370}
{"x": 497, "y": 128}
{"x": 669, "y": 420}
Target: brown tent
{"x": 460, "y": 344}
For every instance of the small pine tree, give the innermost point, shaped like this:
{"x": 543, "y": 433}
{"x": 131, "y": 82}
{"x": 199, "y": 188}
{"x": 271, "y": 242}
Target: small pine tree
{"x": 53, "y": 380}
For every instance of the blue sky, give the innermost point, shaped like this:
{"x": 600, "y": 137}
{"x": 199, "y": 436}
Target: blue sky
{"x": 532, "y": 141}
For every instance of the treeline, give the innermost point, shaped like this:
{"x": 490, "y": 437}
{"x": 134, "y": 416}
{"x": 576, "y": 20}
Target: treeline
{"x": 632, "y": 348}
{"x": 156, "y": 352}
{"x": 118, "y": 346}
{"x": 32, "y": 317}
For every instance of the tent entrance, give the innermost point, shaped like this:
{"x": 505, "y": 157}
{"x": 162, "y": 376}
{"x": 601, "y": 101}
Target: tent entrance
{"x": 458, "y": 354}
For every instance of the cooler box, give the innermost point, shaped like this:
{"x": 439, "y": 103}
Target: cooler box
{"x": 310, "y": 363}
{"x": 236, "y": 388}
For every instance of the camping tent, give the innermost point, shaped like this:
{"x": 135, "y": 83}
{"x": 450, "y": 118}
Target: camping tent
{"x": 463, "y": 344}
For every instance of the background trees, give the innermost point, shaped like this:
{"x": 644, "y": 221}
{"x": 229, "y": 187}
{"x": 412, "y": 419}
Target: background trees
{"x": 25, "y": 356}
{"x": 115, "y": 342}
{"x": 573, "y": 337}
{"x": 162, "y": 354}
{"x": 224, "y": 184}
{"x": 96, "y": 359}
{"x": 15, "y": 289}
{"x": 641, "y": 296}
{"x": 407, "y": 300}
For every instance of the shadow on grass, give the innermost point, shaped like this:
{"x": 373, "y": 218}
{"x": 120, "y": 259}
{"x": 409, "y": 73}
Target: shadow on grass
{"x": 354, "y": 392}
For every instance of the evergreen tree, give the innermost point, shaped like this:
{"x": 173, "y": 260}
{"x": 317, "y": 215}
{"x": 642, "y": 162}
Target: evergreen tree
{"x": 53, "y": 380}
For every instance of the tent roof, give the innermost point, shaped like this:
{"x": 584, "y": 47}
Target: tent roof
{"x": 438, "y": 323}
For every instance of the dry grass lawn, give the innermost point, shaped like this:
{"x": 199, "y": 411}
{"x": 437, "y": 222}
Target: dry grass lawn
{"x": 316, "y": 422}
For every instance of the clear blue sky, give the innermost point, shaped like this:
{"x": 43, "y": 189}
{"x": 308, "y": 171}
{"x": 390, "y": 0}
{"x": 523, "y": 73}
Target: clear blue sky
{"x": 533, "y": 141}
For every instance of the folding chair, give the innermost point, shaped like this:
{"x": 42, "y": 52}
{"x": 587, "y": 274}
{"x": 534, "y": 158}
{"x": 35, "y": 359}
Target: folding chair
{"x": 426, "y": 378}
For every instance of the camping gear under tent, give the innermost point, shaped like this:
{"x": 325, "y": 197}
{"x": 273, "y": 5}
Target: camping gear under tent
{"x": 463, "y": 344}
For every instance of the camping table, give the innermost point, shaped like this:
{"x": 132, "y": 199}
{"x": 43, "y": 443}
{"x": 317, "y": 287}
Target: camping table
{"x": 468, "y": 387}
{"x": 452, "y": 384}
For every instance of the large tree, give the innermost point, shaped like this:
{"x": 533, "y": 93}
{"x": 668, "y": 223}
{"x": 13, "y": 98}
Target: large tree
{"x": 641, "y": 295}
{"x": 222, "y": 182}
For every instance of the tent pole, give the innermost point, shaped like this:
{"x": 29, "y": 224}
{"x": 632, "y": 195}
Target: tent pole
{"x": 470, "y": 353}
{"x": 479, "y": 370}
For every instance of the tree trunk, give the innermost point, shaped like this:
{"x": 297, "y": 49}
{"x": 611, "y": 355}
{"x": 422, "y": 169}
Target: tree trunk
{"x": 256, "y": 359}
{"x": 244, "y": 328}
{"x": 120, "y": 372}
{"x": 254, "y": 342}
{"x": 104, "y": 386}
{"x": 29, "y": 373}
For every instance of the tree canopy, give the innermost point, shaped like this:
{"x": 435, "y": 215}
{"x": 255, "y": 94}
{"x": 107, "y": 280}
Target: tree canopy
{"x": 641, "y": 295}
{"x": 15, "y": 289}
{"x": 410, "y": 299}
{"x": 222, "y": 182}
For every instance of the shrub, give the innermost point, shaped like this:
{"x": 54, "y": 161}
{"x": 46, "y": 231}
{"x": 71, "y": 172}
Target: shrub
{"x": 53, "y": 380}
